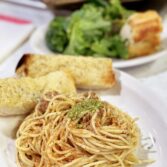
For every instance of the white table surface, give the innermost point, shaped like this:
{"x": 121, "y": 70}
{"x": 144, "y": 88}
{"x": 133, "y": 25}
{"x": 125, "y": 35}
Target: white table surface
{"x": 153, "y": 74}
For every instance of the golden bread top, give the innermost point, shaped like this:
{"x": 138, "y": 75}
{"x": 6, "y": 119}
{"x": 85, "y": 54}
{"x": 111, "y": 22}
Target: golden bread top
{"x": 88, "y": 72}
{"x": 145, "y": 25}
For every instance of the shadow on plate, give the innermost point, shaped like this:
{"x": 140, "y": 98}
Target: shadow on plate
{"x": 114, "y": 91}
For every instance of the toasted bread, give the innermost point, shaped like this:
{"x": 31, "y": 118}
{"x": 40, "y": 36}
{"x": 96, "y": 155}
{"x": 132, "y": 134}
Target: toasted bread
{"x": 88, "y": 72}
{"x": 143, "y": 33}
{"x": 20, "y": 95}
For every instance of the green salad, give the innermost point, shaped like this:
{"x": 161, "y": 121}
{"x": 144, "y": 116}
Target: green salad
{"x": 92, "y": 30}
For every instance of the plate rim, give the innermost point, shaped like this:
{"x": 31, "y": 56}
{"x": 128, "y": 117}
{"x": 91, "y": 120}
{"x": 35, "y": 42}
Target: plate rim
{"x": 160, "y": 101}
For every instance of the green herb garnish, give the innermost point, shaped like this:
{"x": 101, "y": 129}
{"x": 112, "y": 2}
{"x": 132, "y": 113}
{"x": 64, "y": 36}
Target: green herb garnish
{"x": 84, "y": 107}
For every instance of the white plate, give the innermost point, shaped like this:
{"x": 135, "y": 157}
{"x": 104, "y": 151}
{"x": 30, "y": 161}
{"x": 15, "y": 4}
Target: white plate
{"x": 129, "y": 95}
{"x": 38, "y": 45}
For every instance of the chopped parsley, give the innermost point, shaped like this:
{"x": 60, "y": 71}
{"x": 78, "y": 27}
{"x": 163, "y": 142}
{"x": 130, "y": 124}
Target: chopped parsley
{"x": 83, "y": 107}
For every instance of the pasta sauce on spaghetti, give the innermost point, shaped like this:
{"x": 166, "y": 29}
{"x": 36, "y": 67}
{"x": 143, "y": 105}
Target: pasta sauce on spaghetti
{"x": 77, "y": 131}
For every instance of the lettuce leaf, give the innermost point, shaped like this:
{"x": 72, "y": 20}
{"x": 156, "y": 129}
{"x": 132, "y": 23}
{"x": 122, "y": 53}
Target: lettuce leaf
{"x": 92, "y": 30}
{"x": 56, "y": 36}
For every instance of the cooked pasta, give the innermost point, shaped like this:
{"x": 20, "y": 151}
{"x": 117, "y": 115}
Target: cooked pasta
{"x": 77, "y": 131}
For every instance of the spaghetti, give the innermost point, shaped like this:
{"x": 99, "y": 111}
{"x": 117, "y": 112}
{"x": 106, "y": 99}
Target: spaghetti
{"x": 77, "y": 131}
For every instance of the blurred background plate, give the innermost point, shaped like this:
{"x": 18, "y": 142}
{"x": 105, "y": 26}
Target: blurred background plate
{"x": 38, "y": 45}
